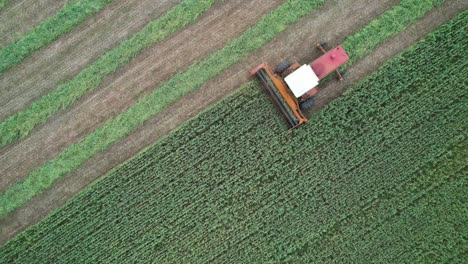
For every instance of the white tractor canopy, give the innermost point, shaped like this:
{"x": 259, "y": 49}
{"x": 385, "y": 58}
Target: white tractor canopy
{"x": 302, "y": 80}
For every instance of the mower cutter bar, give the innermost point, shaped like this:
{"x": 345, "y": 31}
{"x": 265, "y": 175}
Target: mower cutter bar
{"x": 262, "y": 76}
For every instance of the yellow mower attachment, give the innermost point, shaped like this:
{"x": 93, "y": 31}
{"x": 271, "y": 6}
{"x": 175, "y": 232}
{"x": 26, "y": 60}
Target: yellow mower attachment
{"x": 279, "y": 93}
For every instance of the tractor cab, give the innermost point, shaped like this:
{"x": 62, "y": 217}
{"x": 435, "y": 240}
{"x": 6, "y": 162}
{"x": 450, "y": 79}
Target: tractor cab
{"x": 302, "y": 80}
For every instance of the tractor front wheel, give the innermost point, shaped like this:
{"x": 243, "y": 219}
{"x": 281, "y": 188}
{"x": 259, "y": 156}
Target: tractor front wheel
{"x": 282, "y": 67}
{"x": 307, "y": 103}
{"x": 344, "y": 74}
{"x": 323, "y": 43}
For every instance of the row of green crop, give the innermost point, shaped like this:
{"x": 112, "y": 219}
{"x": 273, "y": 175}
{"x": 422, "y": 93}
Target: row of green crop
{"x": 65, "y": 20}
{"x": 118, "y": 127}
{"x": 388, "y": 208}
{"x": 232, "y": 185}
{"x": 171, "y": 91}
{"x": 22, "y": 123}
{"x": 439, "y": 241}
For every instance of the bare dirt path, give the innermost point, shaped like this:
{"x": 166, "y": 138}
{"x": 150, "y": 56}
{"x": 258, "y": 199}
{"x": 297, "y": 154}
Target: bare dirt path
{"x": 64, "y": 58}
{"x": 297, "y": 43}
{"x": 211, "y": 32}
{"x": 20, "y": 16}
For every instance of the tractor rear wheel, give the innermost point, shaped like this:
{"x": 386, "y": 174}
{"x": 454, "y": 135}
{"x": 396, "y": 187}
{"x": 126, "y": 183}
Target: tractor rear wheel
{"x": 307, "y": 103}
{"x": 282, "y": 67}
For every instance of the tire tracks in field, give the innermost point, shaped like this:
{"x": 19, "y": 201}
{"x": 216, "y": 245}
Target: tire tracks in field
{"x": 19, "y": 17}
{"x": 61, "y": 60}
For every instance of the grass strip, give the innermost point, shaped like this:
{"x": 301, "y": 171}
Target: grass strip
{"x": 23, "y": 122}
{"x": 389, "y": 24}
{"x": 181, "y": 84}
{"x": 65, "y": 20}
{"x": 239, "y": 188}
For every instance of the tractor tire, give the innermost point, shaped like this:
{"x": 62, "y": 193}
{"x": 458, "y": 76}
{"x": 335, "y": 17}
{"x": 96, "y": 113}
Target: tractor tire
{"x": 307, "y": 103}
{"x": 282, "y": 67}
{"x": 344, "y": 74}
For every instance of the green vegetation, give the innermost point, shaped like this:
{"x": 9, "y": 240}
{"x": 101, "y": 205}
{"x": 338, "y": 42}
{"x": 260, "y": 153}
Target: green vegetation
{"x": 167, "y": 93}
{"x": 419, "y": 212}
{"x": 3, "y": 3}
{"x": 65, "y": 20}
{"x": 118, "y": 127}
{"x": 232, "y": 185}
{"x": 22, "y": 123}
{"x": 389, "y": 24}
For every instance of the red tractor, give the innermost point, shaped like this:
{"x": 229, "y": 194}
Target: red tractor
{"x": 292, "y": 87}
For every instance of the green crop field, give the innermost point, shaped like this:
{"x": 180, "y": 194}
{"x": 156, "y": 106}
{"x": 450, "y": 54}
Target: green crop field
{"x": 379, "y": 174}
{"x": 179, "y": 85}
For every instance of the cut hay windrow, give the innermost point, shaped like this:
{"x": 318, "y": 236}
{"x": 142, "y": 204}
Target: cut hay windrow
{"x": 23, "y": 122}
{"x": 233, "y": 186}
{"x": 71, "y": 15}
{"x": 120, "y": 126}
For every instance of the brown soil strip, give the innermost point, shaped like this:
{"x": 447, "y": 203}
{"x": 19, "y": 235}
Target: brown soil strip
{"x": 297, "y": 43}
{"x": 19, "y": 17}
{"x": 64, "y": 58}
{"x": 122, "y": 90}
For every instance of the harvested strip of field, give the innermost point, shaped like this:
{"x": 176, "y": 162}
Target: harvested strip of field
{"x": 20, "y": 16}
{"x": 65, "y": 20}
{"x": 211, "y": 32}
{"x": 65, "y": 58}
{"x": 118, "y": 127}
{"x": 232, "y": 182}
{"x": 23, "y": 122}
